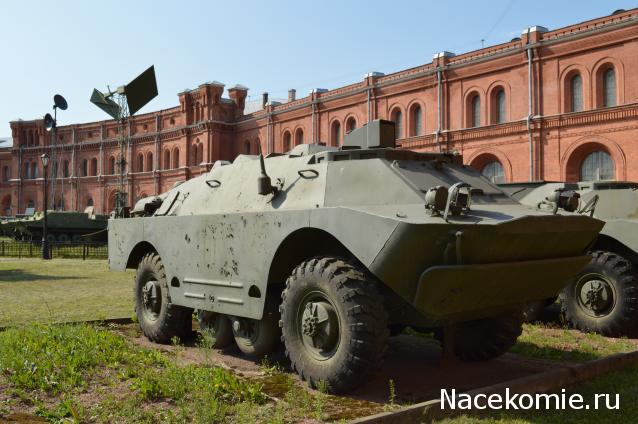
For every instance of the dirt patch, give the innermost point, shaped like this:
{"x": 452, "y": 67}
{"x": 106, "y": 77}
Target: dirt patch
{"x": 413, "y": 364}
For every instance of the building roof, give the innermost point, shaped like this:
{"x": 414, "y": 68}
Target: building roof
{"x": 6, "y": 142}
{"x": 256, "y": 105}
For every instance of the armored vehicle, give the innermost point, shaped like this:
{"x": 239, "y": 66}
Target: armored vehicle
{"x": 603, "y": 297}
{"x": 61, "y": 226}
{"x": 339, "y": 245}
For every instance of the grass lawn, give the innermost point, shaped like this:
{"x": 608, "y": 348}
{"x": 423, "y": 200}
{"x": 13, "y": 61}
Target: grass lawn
{"x": 622, "y": 383}
{"x": 34, "y": 290}
{"x": 90, "y": 374}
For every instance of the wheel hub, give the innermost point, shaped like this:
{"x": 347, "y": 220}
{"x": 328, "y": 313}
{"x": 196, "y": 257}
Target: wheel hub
{"x": 319, "y": 325}
{"x": 244, "y": 328}
{"x": 596, "y": 295}
{"x": 151, "y": 297}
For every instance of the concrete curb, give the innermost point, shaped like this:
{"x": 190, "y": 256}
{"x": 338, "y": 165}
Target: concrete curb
{"x": 538, "y": 383}
{"x": 91, "y": 321}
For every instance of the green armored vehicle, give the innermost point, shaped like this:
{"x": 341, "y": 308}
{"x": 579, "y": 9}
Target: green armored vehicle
{"x": 325, "y": 249}
{"x": 61, "y": 226}
{"x": 603, "y": 297}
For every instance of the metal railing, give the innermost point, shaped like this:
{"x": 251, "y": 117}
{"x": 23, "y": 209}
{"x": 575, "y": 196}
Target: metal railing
{"x": 57, "y": 249}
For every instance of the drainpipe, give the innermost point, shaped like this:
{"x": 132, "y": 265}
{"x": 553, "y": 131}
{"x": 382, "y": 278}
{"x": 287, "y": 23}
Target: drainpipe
{"x": 369, "y": 104}
{"x": 530, "y": 55}
{"x": 314, "y": 110}
{"x": 439, "y": 124}
{"x": 268, "y": 134}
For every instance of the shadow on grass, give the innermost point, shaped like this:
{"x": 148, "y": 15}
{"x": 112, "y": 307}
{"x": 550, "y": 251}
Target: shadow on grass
{"x": 546, "y": 352}
{"x": 15, "y": 275}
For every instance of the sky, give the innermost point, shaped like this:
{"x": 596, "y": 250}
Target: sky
{"x": 70, "y": 47}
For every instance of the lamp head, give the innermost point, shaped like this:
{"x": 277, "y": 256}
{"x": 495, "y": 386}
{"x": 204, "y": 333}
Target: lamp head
{"x": 49, "y": 122}
{"x": 45, "y": 160}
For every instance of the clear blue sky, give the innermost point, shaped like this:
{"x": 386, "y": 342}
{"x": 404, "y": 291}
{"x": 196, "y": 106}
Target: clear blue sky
{"x": 70, "y": 47}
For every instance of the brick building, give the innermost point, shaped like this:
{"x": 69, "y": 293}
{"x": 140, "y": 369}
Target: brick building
{"x": 553, "y": 105}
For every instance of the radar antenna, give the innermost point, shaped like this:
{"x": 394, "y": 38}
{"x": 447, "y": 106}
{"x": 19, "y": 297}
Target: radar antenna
{"x": 121, "y": 105}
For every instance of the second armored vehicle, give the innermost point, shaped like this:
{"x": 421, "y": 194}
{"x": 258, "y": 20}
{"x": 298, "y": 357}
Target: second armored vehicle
{"x": 62, "y": 226}
{"x": 338, "y": 246}
{"x": 603, "y": 297}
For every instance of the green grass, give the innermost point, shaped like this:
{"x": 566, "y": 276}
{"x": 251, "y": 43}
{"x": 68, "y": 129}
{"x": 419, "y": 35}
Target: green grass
{"x": 621, "y": 382}
{"x": 564, "y": 344}
{"x": 50, "y": 369}
{"x": 34, "y": 290}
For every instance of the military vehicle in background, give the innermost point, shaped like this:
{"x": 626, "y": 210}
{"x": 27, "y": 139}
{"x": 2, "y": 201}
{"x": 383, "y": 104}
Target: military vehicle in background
{"x": 603, "y": 297}
{"x": 62, "y": 226}
{"x": 338, "y": 246}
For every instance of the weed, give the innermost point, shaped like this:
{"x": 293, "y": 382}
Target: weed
{"x": 57, "y": 359}
{"x": 270, "y": 368}
{"x": 393, "y": 396}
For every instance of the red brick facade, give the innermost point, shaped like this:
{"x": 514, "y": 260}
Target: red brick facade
{"x": 584, "y": 86}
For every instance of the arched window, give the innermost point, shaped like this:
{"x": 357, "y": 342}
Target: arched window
{"x": 175, "y": 158}
{"x": 609, "y": 88}
{"x": 89, "y": 202}
{"x": 287, "y": 143}
{"x": 576, "y": 88}
{"x": 65, "y": 169}
{"x": 417, "y": 120}
{"x": 501, "y": 116}
{"x": 30, "y": 203}
{"x": 167, "y": 159}
{"x": 94, "y": 166}
{"x": 140, "y": 162}
{"x": 475, "y": 111}
{"x": 85, "y": 168}
{"x": 149, "y": 161}
{"x": 193, "y": 156}
{"x": 258, "y": 145}
{"x": 200, "y": 154}
{"x": 34, "y": 170}
{"x": 6, "y": 173}
{"x": 26, "y": 173}
{"x": 493, "y": 171}
{"x": 335, "y": 134}
{"x": 351, "y": 124}
{"x": 397, "y": 117}
{"x": 247, "y": 147}
{"x": 298, "y": 137}
{"x": 597, "y": 165}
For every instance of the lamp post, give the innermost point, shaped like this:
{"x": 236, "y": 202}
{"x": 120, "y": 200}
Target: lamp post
{"x": 50, "y": 123}
{"x": 45, "y": 242}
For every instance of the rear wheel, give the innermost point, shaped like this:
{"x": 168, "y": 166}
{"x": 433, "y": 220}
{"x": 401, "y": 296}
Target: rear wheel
{"x": 159, "y": 319}
{"x": 486, "y": 338}
{"x": 216, "y": 329}
{"x": 334, "y": 323}
{"x": 258, "y": 338}
{"x": 603, "y": 297}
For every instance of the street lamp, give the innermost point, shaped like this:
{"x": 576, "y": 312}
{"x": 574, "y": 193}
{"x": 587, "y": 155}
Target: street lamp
{"x": 50, "y": 124}
{"x": 45, "y": 243}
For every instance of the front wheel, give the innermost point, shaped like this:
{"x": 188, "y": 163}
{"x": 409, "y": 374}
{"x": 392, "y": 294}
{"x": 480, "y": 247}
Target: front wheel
{"x": 603, "y": 297}
{"x": 159, "y": 319}
{"x": 334, "y": 324}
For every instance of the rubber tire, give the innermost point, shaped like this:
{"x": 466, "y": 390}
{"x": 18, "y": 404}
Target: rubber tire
{"x": 269, "y": 336}
{"x": 532, "y": 311}
{"x": 623, "y": 318}
{"x": 486, "y": 338}
{"x": 172, "y": 320}
{"x": 396, "y": 329}
{"x": 215, "y": 328}
{"x": 363, "y": 329}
